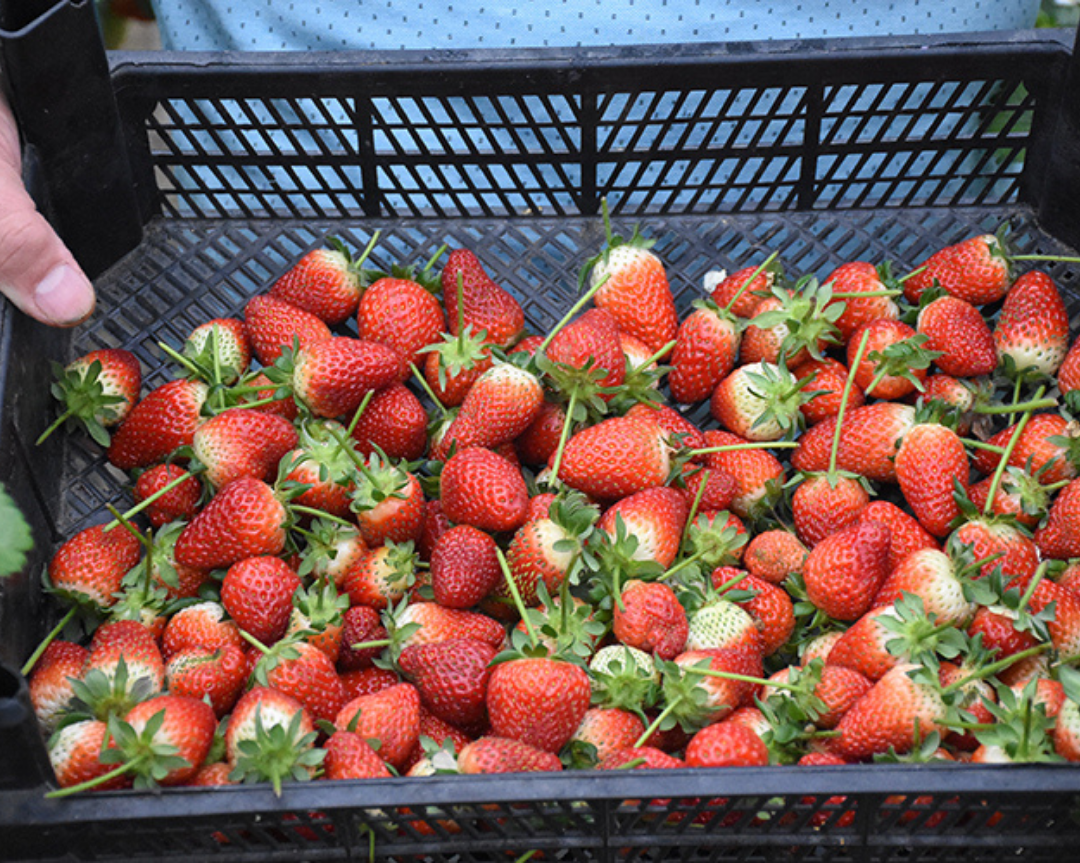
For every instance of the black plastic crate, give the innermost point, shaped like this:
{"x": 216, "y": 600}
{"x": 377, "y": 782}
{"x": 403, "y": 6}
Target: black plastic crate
{"x": 191, "y": 181}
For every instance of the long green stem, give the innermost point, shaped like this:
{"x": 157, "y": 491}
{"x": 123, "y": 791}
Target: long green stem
{"x": 1033, "y": 405}
{"x": 97, "y": 781}
{"x": 516, "y": 594}
{"x": 742, "y": 290}
{"x": 564, "y": 435}
{"x": 28, "y": 666}
{"x": 834, "y": 449}
{"x": 739, "y": 447}
{"x": 427, "y": 389}
{"x": 1003, "y": 462}
{"x": 994, "y": 668}
{"x": 574, "y": 309}
{"x": 147, "y": 501}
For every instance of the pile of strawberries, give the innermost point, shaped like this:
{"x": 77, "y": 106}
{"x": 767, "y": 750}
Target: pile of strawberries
{"x": 443, "y": 544}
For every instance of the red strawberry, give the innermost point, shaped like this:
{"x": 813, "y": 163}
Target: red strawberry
{"x": 758, "y": 401}
{"x": 655, "y": 517}
{"x": 651, "y": 618}
{"x": 545, "y": 547}
{"x": 930, "y": 463}
{"x": 1000, "y": 544}
{"x": 681, "y": 432}
{"x": 202, "y": 625}
{"x": 504, "y": 755}
{"x": 773, "y": 555}
{"x": 436, "y": 623}
{"x": 592, "y": 338}
{"x": 244, "y": 519}
{"x": 603, "y": 732}
{"x": 1068, "y": 376}
{"x": 324, "y": 282}
{"x": 860, "y": 277}
{"x": 217, "y": 674}
{"x": 180, "y": 503}
{"x": 615, "y": 457}
{"x": 272, "y": 325}
{"x": 640, "y": 758}
{"x": 365, "y": 681}
{"x": 770, "y": 606}
{"x": 75, "y": 752}
{"x": 634, "y": 289}
{"x": 758, "y": 474}
{"x": 240, "y": 442}
{"x": 537, "y": 701}
{"x": 1018, "y": 495}
{"x": 844, "y": 571}
{"x": 957, "y": 331}
{"x": 350, "y": 756}
{"x": 889, "y": 716}
{"x": 485, "y": 305}
{"x": 324, "y": 462}
{"x": 932, "y": 576}
{"x": 301, "y": 670}
{"x": 184, "y": 724}
{"x": 726, "y": 744}
{"x": 715, "y": 490}
{"x": 697, "y": 700}
{"x": 738, "y": 293}
{"x": 97, "y": 391}
{"x": 823, "y": 504}
{"x": 388, "y": 502}
{"x": 483, "y": 489}
{"x": 452, "y": 678}
{"x": 1048, "y": 448}
{"x": 261, "y": 714}
{"x": 464, "y": 567}
{"x": 158, "y": 425}
{"x": 400, "y": 313}
{"x": 382, "y": 576}
{"x": 1059, "y": 537}
{"x": 452, "y": 365}
{"x": 539, "y": 441}
{"x": 826, "y": 377}
{"x": 501, "y": 404}
{"x": 395, "y": 422}
{"x": 975, "y": 270}
{"x": 90, "y": 567}
{"x": 907, "y": 534}
{"x": 894, "y": 362}
{"x": 257, "y": 592}
{"x": 792, "y": 325}
{"x": 997, "y": 626}
{"x": 1033, "y": 328}
{"x": 360, "y": 624}
{"x": 869, "y": 438}
{"x": 50, "y": 682}
{"x": 332, "y": 377}
{"x": 390, "y": 716}
{"x": 265, "y": 395}
{"x": 124, "y": 666}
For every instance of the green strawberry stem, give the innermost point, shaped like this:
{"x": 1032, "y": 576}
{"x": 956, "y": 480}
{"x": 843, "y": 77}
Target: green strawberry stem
{"x": 318, "y": 513}
{"x": 360, "y": 408}
{"x": 1003, "y": 462}
{"x": 90, "y": 784}
{"x": 368, "y": 249}
{"x": 370, "y": 645}
{"x": 569, "y": 316}
{"x": 738, "y": 447}
{"x": 994, "y": 667}
{"x": 745, "y": 678}
{"x": 125, "y": 522}
{"x": 907, "y": 276}
{"x": 147, "y": 501}
{"x": 183, "y": 361}
{"x": 1065, "y": 259}
{"x": 760, "y": 269}
{"x": 695, "y": 506}
{"x": 682, "y": 564}
{"x": 253, "y": 641}
{"x": 655, "y": 724}
{"x": 1033, "y": 405}
{"x": 974, "y": 443}
{"x": 427, "y": 389}
{"x": 976, "y": 565}
{"x": 633, "y": 762}
{"x": 731, "y": 582}
{"x": 516, "y": 594}
{"x": 59, "y": 421}
{"x": 564, "y": 435}
{"x": 855, "y": 295}
{"x": 1040, "y": 574}
{"x": 459, "y": 288}
{"x": 28, "y": 666}
{"x": 834, "y": 449}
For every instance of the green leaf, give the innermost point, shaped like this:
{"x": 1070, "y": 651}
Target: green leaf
{"x": 15, "y": 537}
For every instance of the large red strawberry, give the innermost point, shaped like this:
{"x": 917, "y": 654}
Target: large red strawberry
{"x": 434, "y": 623}
{"x": 381, "y": 576}
{"x": 956, "y": 330}
{"x": 844, "y": 571}
{"x": 869, "y": 438}
{"x": 202, "y": 625}
{"x": 650, "y": 618}
{"x": 272, "y": 325}
{"x": 257, "y": 592}
{"x": 537, "y": 701}
{"x": 864, "y": 291}
{"x": 930, "y": 464}
{"x": 395, "y": 422}
{"x": 96, "y": 391}
{"x": 655, "y": 517}
{"x": 501, "y": 404}
{"x": 1048, "y": 447}
{"x": 615, "y": 457}
{"x": 1033, "y": 327}
{"x": 388, "y": 502}
{"x": 244, "y": 519}
{"x": 464, "y": 567}
{"x": 894, "y": 363}
{"x": 179, "y": 503}
{"x": 490, "y": 754}
{"x": 823, "y": 504}
{"x": 180, "y": 725}
{"x": 452, "y": 678}
{"x": 240, "y": 442}
{"x": 90, "y": 567}
{"x": 1059, "y": 537}
{"x": 726, "y": 744}
{"x": 633, "y": 287}
{"x": 390, "y": 716}
{"x": 742, "y": 290}
{"x": 825, "y": 380}
{"x": 906, "y": 532}
{"x": 216, "y": 674}
{"x": 975, "y": 270}
{"x": 591, "y": 340}
{"x": 75, "y": 752}
{"x": 300, "y": 669}
{"x": 485, "y": 305}
{"x": 332, "y": 377}
{"x": 481, "y": 488}
{"x": 400, "y": 313}
{"x": 325, "y": 282}
{"x": 164, "y": 421}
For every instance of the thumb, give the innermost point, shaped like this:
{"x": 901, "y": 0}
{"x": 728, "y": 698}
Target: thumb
{"x": 37, "y": 272}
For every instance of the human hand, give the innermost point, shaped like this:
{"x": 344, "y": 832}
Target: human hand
{"x": 37, "y": 272}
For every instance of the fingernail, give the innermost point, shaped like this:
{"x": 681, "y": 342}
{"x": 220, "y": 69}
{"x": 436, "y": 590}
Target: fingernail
{"x": 64, "y": 296}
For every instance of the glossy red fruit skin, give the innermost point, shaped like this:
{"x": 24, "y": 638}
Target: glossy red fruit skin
{"x": 537, "y": 701}
{"x": 487, "y": 306}
{"x": 958, "y": 331}
{"x": 845, "y": 570}
{"x": 321, "y": 283}
{"x": 615, "y": 457}
{"x": 973, "y": 270}
{"x": 402, "y": 314}
{"x": 162, "y": 422}
{"x": 452, "y": 678}
{"x": 257, "y": 592}
{"x": 244, "y": 519}
{"x": 482, "y": 489}
{"x": 90, "y": 567}
{"x": 332, "y": 377}
{"x": 394, "y": 421}
{"x": 272, "y": 324}
{"x": 930, "y": 462}
{"x": 464, "y": 567}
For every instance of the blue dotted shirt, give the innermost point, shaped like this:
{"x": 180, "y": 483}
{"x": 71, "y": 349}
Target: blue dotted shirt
{"x": 327, "y": 25}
